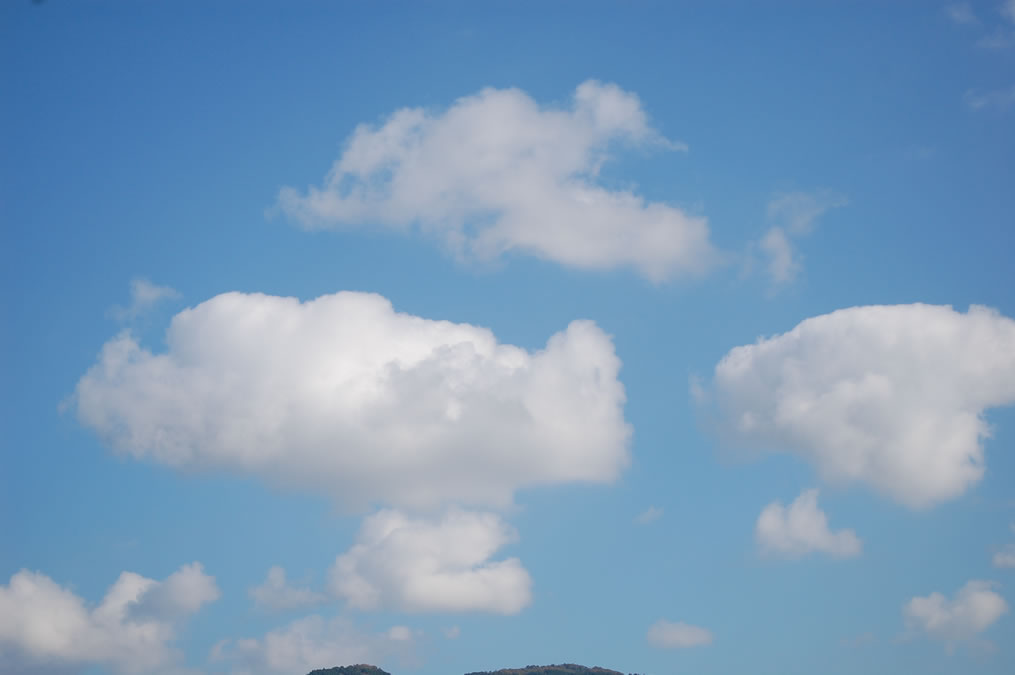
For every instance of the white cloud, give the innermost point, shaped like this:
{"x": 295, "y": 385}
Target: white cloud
{"x": 44, "y": 625}
{"x": 783, "y": 264}
{"x": 798, "y": 211}
{"x": 650, "y": 514}
{"x": 973, "y": 609}
{"x": 497, "y": 172}
{"x": 1005, "y": 558}
{"x": 420, "y": 565}
{"x": 143, "y": 296}
{"x": 452, "y": 632}
{"x": 961, "y": 13}
{"x": 344, "y": 396}
{"x": 890, "y": 395}
{"x": 276, "y": 594}
{"x": 794, "y": 215}
{"x": 802, "y": 528}
{"x": 668, "y": 635}
{"x": 310, "y": 643}
{"x": 999, "y": 99}
{"x": 400, "y": 633}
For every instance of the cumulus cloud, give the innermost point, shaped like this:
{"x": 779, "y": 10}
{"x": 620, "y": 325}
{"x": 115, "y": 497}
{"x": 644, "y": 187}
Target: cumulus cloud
{"x": 893, "y": 396}
{"x": 802, "y": 528}
{"x": 669, "y": 635}
{"x": 313, "y": 642}
{"x": 497, "y": 172}
{"x": 143, "y": 296}
{"x": 276, "y": 594}
{"x": 46, "y": 626}
{"x": 973, "y": 609}
{"x": 794, "y": 215}
{"x": 422, "y": 565}
{"x": 344, "y": 396}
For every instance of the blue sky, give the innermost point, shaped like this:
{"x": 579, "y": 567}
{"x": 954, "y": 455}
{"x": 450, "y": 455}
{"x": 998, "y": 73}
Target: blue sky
{"x": 666, "y": 337}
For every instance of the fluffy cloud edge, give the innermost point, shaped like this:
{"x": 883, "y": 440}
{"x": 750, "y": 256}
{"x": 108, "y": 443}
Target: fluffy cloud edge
{"x": 313, "y": 642}
{"x": 131, "y": 631}
{"x": 276, "y": 594}
{"x": 960, "y": 619}
{"x": 436, "y": 565}
{"x": 892, "y": 396}
{"x": 802, "y": 528}
{"x": 498, "y": 172}
{"x": 326, "y": 396}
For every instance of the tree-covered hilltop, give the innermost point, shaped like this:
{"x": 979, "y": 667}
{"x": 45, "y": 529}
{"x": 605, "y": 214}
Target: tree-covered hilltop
{"x": 560, "y": 669}
{"x": 359, "y": 669}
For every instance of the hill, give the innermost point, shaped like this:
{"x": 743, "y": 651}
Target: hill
{"x": 359, "y": 669}
{"x": 560, "y": 669}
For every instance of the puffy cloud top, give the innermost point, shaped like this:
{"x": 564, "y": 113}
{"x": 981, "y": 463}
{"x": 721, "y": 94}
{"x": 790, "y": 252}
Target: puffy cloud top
{"x": 802, "y": 528}
{"x": 45, "y": 625}
{"x": 343, "y": 395}
{"x": 311, "y": 643}
{"x": 890, "y": 395}
{"x": 973, "y": 609}
{"x": 276, "y": 593}
{"x": 419, "y": 565}
{"x": 497, "y": 172}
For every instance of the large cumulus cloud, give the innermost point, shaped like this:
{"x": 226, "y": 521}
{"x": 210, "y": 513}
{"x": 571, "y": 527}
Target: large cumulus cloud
{"x": 345, "y": 396}
{"x": 498, "y": 172}
{"x": 893, "y": 396}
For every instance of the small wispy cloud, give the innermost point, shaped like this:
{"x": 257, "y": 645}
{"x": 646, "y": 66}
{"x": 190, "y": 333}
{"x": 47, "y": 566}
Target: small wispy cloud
{"x": 793, "y": 215}
{"x": 1002, "y": 36}
{"x": 1005, "y": 558}
{"x": 1008, "y": 10}
{"x": 998, "y": 99}
{"x": 679, "y": 635}
{"x": 962, "y": 14}
{"x": 650, "y": 514}
{"x": 143, "y": 296}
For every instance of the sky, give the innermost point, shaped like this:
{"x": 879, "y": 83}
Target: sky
{"x": 665, "y": 337}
